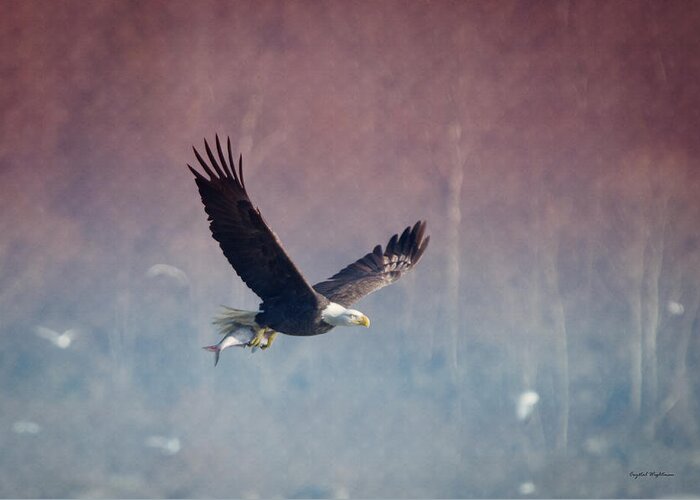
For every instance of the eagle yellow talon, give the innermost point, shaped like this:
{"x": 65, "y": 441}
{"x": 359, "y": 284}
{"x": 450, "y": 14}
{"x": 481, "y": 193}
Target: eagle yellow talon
{"x": 259, "y": 335}
{"x": 270, "y": 340}
{"x": 264, "y": 334}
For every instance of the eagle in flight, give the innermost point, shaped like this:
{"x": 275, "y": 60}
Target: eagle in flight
{"x": 290, "y": 305}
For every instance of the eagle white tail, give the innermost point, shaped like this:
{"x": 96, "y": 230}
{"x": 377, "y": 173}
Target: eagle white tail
{"x": 231, "y": 319}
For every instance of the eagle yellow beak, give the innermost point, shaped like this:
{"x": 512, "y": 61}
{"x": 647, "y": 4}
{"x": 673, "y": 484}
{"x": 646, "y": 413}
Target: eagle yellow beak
{"x": 363, "y": 320}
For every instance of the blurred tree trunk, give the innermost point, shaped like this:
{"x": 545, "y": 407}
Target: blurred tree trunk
{"x": 555, "y": 218}
{"x": 454, "y": 220}
{"x": 650, "y": 304}
{"x": 454, "y": 256}
{"x": 646, "y": 214}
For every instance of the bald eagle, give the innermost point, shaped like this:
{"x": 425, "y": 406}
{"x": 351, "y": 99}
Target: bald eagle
{"x": 290, "y": 305}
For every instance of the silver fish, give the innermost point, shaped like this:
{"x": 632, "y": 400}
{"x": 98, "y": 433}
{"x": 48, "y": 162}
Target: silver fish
{"x": 240, "y": 337}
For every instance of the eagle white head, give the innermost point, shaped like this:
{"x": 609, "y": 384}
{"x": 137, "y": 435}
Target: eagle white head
{"x": 337, "y": 315}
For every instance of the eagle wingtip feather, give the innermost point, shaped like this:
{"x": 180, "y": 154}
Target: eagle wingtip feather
{"x": 222, "y": 158}
{"x": 203, "y": 163}
{"x": 421, "y": 250}
{"x": 213, "y": 161}
{"x": 197, "y": 175}
{"x": 230, "y": 160}
{"x": 240, "y": 169}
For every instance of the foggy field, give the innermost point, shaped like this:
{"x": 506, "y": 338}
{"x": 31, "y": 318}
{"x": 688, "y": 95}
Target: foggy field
{"x": 547, "y": 344}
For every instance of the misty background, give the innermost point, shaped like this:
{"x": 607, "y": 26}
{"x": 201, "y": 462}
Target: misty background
{"x": 547, "y": 345}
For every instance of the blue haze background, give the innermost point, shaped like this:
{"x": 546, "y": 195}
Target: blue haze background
{"x": 553, "y": 148}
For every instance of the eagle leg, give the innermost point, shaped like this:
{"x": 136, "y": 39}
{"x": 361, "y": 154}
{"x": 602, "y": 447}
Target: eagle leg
{"x": 271, "y": 335}
{"x": 260, "y": 335}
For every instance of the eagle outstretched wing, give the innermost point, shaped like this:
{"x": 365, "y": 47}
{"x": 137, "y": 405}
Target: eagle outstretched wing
{"x": 248, "y": 243}
{"x": 378, "y": 268}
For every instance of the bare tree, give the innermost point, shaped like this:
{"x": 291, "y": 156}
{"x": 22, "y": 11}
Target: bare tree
{"x": 454, "y": 220}
{"x": 555, "y": 218}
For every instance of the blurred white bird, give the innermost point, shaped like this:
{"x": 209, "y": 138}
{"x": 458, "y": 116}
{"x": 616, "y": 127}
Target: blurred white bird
{"x": 341, "y": 492}
{"x": 526, "y": 404}
{"x": 168, "y": 446}
{"x": 169, "y": 271}
{"x": 62, "y": 340}
{"x": 675, "y": 308}
{"x": 526, "y": 488}
{"x": 26, "y": 427}
{"x": 596, "y": 445}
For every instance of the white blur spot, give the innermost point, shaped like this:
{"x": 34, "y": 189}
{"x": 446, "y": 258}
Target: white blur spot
{"x": 526, "y": 404}
{"x": 675, "y": 308}
{"x": 26, "y": 427}
{"x": 172, "y": 272}
{"x": 527, "y": 488}
{"x": 167, "y": 446}
{"x": 60, "y": 340}
{"x": 596, "y": 445}
{"x": 341, "y": 493}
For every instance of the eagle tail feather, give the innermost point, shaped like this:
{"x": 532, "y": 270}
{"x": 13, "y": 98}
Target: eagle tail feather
{"x": 231, "y": 319}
